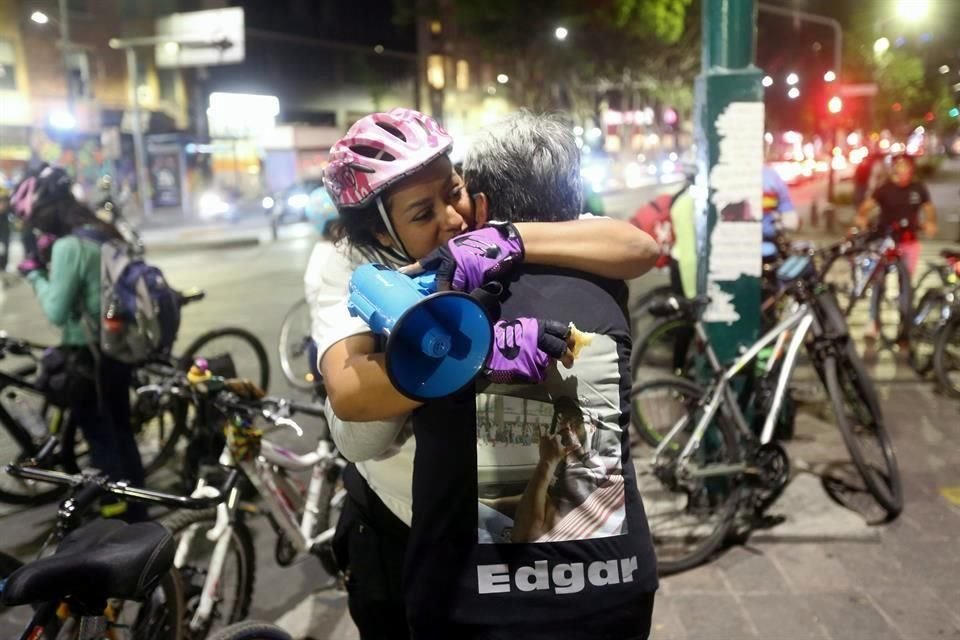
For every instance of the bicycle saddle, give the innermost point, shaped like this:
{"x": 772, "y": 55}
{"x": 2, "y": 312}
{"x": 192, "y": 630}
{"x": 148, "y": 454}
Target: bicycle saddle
{"x": 950, "y": 254}
{"x": 105, "y": 559}
{"x": 672, "y": 305}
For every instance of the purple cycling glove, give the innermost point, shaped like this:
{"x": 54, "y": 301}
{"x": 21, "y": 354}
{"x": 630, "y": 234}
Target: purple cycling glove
{"x": 476, "y": 257}
{"x": 524, "y": 348}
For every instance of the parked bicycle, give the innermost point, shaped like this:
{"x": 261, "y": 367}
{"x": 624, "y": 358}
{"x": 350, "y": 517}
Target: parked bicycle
{"x": 102, "y": 571}
{"x": 709, "y": 463}
{"x": 940, "y": 287}
{"x": 215, "y": 550}
{"x": 295, "y": 347}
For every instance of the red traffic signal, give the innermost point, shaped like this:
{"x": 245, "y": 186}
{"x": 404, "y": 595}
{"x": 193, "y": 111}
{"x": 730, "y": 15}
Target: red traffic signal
{"x": 835, "y": 105}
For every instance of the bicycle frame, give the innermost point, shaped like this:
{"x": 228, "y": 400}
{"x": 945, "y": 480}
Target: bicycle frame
{"x": 282, "y": 500}
{"x": 721, "y": 396}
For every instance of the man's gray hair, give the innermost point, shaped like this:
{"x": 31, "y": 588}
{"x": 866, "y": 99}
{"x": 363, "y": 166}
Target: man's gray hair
{"x": 528, "y": 165}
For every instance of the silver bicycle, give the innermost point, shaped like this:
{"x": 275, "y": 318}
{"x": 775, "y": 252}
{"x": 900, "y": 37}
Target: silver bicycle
{"x": 709, "y": 463}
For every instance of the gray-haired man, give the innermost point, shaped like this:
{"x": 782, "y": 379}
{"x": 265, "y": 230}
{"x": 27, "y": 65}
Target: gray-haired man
{"x": 541, "y": 534}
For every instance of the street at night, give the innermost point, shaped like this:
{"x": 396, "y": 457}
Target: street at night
{"x": 462, "y": 320}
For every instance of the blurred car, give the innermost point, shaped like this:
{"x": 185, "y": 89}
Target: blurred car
{"x": 320, "y": 211}
{"x": 290, "y": 204}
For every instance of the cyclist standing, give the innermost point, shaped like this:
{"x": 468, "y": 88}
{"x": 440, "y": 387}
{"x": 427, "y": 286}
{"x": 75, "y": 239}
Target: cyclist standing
{"x": 65, "y": 274}
{"x": 901, "y": 198}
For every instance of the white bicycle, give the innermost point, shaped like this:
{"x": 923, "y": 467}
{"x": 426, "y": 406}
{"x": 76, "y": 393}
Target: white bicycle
{"x": 302, "y": 496}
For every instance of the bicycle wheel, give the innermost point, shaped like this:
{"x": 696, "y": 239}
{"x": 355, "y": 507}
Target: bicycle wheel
{"x": 666, "y": 348}
{"x": 159, "y": 617}
{"x": 946, "y": 357}
{"x": 235, "y": 586}
{"x": 252, "y": 630}
{"x": 18, "y": 448}
{"x": 158, "y": 424}
{"x": 891, "y": 303}
{"x": 332, "y": 496}
{"x": 294, "y": 347}
{"x": 931, "y": 313}
{"x": 857, "y": 411}
{"x": 689, "y": 514}
{"x": 233, "y": 353}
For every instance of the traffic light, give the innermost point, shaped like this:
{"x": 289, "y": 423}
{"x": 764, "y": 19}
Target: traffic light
{"x": 954, "y": 112}
{"x": 835, "y": 105}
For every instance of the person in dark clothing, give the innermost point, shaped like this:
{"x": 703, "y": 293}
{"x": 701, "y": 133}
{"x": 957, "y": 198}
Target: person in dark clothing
{"x": 572, "y": 557}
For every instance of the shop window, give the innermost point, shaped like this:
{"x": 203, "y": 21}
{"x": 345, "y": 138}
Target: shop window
{"x": 8, "y": 66}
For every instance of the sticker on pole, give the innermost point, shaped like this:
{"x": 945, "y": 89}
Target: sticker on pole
{"x": 736, "y": 182}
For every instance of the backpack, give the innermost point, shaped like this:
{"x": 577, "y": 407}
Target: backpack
{"x": 654, "y": 218}
{"x": 140, "y": 311}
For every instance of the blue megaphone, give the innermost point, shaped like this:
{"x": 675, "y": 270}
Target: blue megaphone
{"x": 436, "y": 342}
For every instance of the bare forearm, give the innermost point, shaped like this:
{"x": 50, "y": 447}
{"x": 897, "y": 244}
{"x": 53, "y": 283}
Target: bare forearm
{"x": 360, "y": 390}
{"x": 531, "y": 515}
{"x": 604, "y": 247}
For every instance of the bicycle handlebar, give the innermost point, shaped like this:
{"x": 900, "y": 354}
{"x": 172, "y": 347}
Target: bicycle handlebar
{"x": 123, "y": 489}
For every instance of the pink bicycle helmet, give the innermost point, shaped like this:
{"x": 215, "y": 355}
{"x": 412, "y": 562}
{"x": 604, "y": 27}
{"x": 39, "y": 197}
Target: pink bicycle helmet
{"x": 46, "y": 185}
{"x": 379, "y": 150}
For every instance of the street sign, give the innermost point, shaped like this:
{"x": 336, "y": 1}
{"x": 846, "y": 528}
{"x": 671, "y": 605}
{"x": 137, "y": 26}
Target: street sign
{"x": 200, "y": 38}
{"x": 865, "y": 90}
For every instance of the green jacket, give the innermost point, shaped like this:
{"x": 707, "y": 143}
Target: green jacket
{"x": 72, "y": 285}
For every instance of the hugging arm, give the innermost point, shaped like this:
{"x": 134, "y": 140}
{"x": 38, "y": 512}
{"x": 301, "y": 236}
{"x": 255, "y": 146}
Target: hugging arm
{"x": 602, "y": 246}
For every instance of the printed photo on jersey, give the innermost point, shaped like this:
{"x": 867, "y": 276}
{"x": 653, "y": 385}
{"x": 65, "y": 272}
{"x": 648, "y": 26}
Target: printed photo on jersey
{"x": 549, "y": 459}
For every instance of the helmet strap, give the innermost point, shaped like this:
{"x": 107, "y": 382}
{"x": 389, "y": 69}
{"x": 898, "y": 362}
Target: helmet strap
{"x": 398, "y": 245}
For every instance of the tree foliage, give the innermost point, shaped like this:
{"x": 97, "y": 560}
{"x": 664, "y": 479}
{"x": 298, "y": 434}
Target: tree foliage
{"x": 628, "y": 45}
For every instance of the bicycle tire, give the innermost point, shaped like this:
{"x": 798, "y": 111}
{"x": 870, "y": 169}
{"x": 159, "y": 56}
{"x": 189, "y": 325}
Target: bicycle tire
{"x": 251, "y": 630}
{"x": 178, "y": 412}
{"x": 244, "y": 554}
{"x": 944, "y": 361}
{"x": 17, "y": 491}
{"x": 726, "y": 510}
{"x": 327, "y": 516}
{"x": 904, "y": 308}
{"x": 927, "y": 319}
{"x": 260, "y": 353}
{"x": 663, "y": 331}
{"x": 161, "y": 615}
{"x": 888, "y": 491}
{"x": 287, "y": 350}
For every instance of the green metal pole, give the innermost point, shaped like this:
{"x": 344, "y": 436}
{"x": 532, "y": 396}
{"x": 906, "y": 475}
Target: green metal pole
{"x": 729, "y": 136}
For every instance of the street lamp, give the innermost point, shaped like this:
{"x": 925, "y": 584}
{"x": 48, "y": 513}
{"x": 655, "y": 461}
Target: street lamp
{"x": 829, "y": 76}
{"x": 794, "y": 93}
{"x": 503, "y": 78}
{"x": 881, "y": 46}
{"x": 39, "y": 17}
{"x": 767, "y": 81}
{"x": 944, "y": 69}
{"x": 913, "y": 10}
{"x": 793, "y": 79}
{"x": 560, "y": 33}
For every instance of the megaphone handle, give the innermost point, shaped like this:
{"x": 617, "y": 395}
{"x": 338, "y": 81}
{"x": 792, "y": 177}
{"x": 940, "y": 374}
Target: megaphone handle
{"x": 358, "y": 305}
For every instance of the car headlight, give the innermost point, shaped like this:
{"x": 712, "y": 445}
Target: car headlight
{"x": 267, "y": 203}
{"x": 298, "y": 201}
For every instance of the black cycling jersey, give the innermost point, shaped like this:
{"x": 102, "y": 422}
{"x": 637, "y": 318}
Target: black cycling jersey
{"x": 527, "y": 521}
{"x": 898, "y": 203}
